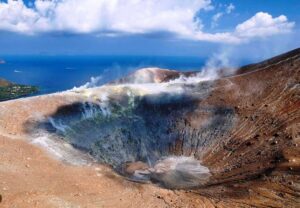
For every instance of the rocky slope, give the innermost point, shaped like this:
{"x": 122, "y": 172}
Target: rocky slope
{"x": 230, "y": 142}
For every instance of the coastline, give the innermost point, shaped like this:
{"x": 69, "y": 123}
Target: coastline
{"x": 9, "y": 90}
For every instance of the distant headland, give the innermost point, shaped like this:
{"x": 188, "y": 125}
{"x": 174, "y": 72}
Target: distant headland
{"x": 2, "y": 61}
{"x": 9, "y": 90}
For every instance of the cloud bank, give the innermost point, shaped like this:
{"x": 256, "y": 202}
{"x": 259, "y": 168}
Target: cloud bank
{"x": 119, "y": 17}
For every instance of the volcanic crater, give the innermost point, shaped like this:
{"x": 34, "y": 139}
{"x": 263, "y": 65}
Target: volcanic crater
{"x": 228, "y": 142}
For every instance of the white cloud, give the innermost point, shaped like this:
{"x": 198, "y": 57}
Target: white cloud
{"x": 262, "y": 25}
{"x": 230, "y": 8}
{"x": 216, "y": 18}
{"x": 116, "y": 17}
{"x": 89, "y": 16}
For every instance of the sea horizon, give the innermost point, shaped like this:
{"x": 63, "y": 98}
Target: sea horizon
{"x": 56, "y": 73}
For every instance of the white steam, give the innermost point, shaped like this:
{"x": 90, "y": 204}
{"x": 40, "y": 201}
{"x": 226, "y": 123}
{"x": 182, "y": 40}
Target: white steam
{"x": 94, "y": 82}
{"x": 58, "y": 125}
{"x": 151, "y": 82}
{"x": 212, "y": 69}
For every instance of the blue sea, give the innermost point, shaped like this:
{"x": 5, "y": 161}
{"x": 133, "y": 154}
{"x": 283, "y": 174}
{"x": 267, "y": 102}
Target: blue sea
{"x": 58, "y": 73}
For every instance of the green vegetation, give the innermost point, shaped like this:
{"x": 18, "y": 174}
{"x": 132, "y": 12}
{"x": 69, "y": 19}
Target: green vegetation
{"x": 11, "y": 91}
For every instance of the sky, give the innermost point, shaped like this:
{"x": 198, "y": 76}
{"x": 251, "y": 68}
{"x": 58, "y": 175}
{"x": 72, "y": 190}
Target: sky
{"x": 252, "y": 29}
